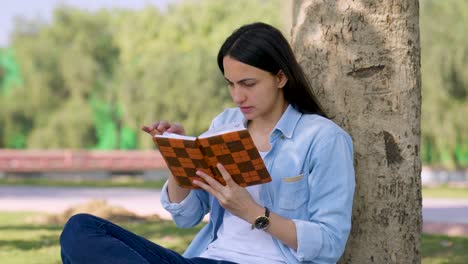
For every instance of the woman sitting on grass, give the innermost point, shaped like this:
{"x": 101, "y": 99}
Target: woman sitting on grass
{"x": 302, "y": 216}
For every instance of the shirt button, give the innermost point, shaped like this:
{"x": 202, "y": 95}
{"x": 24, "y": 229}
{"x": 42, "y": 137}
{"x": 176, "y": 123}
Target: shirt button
{"x": 282, "y": 136}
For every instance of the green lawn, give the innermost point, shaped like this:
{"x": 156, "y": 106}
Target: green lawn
{"x": 135, "y": 182}
{"x": 441, "y": 191}
{"x": 439, "y": 249}
{"x": 23, "y": 242}
{"x": 445, "y": 191}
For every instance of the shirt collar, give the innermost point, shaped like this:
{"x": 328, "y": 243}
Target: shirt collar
{"x": 287, "y": 122}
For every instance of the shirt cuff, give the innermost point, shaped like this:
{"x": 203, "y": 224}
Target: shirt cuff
{"x": 309, "y": 240}
{"x": 188, "y": 206}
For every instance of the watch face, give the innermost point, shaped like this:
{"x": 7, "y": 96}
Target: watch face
{"x": 262, "y": 222}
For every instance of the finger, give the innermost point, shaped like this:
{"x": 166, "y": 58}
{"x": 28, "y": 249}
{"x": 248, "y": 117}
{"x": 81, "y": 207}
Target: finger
{"x": 207, "y": 188}
{"x": 226, "y": 175}
{"x": 163, "y": 126}
{"x": 155, "y": 125}
{"x": 173, "y": 127}
{"x": 147, "y": 129}
{"x": 150, "y": 130}
{"x": 214, "y": 184}
{"x": 176, "y": 128}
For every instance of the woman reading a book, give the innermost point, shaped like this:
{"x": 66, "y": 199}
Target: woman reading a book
{"x": 302, "y": 216}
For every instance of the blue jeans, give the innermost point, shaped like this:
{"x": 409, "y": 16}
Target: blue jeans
{"x": 90, "y": 239}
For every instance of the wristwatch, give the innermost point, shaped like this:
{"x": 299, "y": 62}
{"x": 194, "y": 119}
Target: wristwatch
{"x": 262, "y": 222}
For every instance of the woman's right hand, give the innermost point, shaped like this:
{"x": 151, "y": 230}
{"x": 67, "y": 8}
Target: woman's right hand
{"x": 175, "y": 192}
{"x": 160, "y": 127}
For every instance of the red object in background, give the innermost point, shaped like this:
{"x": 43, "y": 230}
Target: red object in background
{"x": 79, "y": 160}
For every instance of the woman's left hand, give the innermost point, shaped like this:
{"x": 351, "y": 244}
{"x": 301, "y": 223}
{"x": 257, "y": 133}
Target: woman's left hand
{"x": 232, "y": 197}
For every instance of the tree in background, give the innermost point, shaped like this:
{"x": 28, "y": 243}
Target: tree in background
{"x": 169, "y": 71}
{"x": 92, "y": 79}
{"x": 10, "y": 78}
{"x": 363, "y": 60}
{"x": 444, "y": 45}
{"x": 63, "y": 65}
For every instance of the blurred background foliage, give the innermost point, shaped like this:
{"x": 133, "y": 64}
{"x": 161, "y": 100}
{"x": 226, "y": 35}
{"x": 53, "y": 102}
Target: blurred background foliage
{"x": 444, "y": 69}
{"x": 91, "y": 79}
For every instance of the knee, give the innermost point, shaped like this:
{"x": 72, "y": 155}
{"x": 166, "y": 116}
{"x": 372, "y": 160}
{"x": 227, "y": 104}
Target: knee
{"x": 74, "y": 228}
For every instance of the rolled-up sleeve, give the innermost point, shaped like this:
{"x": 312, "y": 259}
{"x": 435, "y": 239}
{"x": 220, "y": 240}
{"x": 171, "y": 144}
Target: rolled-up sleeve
{"x": 323, "y": 237}
{"x": 189, "y": 211}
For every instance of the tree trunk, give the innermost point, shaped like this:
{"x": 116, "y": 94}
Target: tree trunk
{"x": 363, "y": 61}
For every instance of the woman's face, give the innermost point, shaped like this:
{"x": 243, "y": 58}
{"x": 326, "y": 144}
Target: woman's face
{"x": 258, "y": 93}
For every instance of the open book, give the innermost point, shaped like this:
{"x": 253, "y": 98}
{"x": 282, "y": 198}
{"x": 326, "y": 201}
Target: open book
{"x": 233, "y": 147}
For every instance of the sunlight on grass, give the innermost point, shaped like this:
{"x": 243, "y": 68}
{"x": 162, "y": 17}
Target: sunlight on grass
{"x": 23, "y": 242}
{"x": 134, "y": 182}
{"x": 445, "y": 191}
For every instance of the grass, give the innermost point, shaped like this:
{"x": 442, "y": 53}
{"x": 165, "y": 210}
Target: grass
{"x": 445, "y": 191}
{"x": 440, "y": 191}
{"x": 439, "y": 249}
{"x": 23, "y": 242}
{"x": 124, "y": 181}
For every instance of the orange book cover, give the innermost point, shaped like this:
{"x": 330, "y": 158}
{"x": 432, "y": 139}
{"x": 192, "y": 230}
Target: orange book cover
{"x": 233, "y": 148}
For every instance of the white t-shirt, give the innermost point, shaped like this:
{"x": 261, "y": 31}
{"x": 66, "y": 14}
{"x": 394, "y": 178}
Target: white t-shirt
{"x": 237, "y": 242}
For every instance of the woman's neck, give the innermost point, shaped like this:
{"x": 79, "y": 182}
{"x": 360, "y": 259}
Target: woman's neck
{"x": 266, "y": 125}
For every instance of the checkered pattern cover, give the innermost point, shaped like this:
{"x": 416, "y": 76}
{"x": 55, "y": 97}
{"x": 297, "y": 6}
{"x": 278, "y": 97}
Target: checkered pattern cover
{"x": 234, "y": 150}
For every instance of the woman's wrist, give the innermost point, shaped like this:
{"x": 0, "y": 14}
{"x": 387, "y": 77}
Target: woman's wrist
{"x": 176, "y": 193}
{"x": 253, "y": 212}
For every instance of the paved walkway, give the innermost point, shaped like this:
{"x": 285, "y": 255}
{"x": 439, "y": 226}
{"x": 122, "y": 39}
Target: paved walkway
{"x": 443, "y": 216}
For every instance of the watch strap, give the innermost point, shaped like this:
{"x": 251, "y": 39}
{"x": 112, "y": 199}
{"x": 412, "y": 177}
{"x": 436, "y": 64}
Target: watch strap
{"x": 267, "y": 212}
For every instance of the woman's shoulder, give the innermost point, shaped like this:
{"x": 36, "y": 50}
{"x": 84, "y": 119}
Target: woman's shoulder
{"x": 228, "y": 116}
{"x": 320, "y": 128}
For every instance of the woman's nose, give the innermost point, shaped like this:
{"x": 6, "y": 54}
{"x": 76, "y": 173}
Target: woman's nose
{"x": 237, "y": 96}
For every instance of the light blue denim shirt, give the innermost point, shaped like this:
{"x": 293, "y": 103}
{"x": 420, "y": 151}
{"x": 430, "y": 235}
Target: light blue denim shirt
{"x": 311, "y": 163}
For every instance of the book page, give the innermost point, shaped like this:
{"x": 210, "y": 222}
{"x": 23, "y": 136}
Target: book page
{"x": 172, "y": 135}
{"x": 223, "y": 129}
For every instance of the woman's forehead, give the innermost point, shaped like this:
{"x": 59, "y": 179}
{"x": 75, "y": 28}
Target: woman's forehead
{"x": 235, "y": 70}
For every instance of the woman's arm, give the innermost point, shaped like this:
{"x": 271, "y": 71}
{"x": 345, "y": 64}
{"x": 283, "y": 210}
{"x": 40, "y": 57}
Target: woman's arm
{"x": 322, "y": 237}
{"x": 237, "y": 200}
{"x": 282, "y": 228}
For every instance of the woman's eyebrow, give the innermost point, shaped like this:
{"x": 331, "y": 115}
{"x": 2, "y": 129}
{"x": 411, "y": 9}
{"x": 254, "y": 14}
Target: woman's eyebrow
{"x": 241, "y": 80}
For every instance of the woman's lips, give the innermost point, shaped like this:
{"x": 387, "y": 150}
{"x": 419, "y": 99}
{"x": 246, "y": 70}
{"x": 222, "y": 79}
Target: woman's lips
{"x": 246, "y": 109}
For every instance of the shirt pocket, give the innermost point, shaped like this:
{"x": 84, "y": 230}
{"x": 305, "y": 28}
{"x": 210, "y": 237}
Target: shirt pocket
{"x": 293, "y": 192}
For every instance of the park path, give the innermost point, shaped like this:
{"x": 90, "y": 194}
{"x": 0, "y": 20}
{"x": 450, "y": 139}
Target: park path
{"x": 442, "y": 216}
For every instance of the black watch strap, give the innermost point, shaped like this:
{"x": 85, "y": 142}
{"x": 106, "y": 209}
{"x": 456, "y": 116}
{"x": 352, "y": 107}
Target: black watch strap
{"x": 267, "y": 212}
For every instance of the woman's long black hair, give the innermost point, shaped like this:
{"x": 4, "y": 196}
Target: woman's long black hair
{"x": 264, "y": 47}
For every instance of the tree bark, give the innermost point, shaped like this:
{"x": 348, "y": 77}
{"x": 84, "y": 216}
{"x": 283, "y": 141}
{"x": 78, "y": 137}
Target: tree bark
{"x": 363, "y": 61}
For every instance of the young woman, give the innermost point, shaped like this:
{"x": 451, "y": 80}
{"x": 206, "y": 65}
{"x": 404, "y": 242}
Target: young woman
{"x": 302, "y": 216}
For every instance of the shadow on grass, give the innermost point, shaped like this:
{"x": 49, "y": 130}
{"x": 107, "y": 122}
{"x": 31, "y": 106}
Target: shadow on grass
{"x": 30, "y": 244}
{"x": 165, "y": 233}
{"x": 26, "y": 237}
{"x": 31, "y": 227}
{"x": 444, "y": 249}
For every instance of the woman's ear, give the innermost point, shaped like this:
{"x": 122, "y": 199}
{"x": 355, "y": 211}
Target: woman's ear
{"x": 281, "y": 79}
